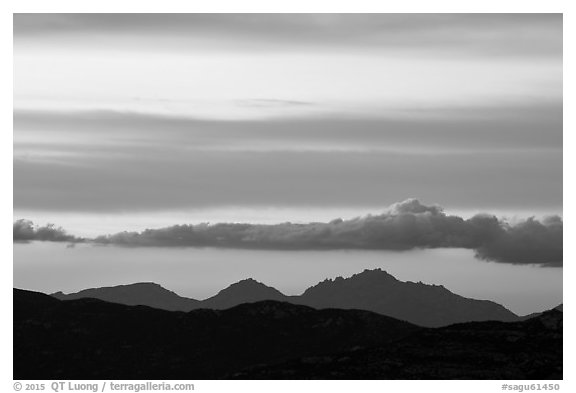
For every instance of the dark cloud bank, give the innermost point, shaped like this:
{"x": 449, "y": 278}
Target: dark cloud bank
{"x": 25, "y": 231}
{"x": 406, "y": 225}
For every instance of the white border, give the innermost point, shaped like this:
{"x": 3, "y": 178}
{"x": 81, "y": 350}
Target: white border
{"x": 10, "y": 6}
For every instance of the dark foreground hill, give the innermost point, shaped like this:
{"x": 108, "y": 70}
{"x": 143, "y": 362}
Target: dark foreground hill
{"x": 531, "y": 349}
{"x": 371, "y": 290}
{"x": 92, "y": 339}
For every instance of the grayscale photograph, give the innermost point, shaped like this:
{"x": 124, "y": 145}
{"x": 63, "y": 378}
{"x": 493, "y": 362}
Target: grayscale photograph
{"x": 276, "y": 196}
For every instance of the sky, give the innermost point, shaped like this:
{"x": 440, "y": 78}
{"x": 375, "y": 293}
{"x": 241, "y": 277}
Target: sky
{"x": 134, "y": 121}
{"x": 349, "y": 141}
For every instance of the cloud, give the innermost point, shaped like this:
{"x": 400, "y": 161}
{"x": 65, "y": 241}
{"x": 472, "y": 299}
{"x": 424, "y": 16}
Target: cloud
{"x": 404, "y": 226}
{"x": 413, "y": 206}
{"x": 271, "y": 102}
{"x": 530, "y": 241}
{"x": 498, "y": 34}
{"x": 478, "y": 127}
{"x": 26, "y": 231}
{"x": 109, "y": 162}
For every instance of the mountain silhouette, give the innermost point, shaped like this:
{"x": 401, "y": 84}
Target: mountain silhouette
{"x": 245, "y": 291}
{"x": 145, "y": 293}
{"x": 370, "y": 290}
{"x": 418, "y": 303}
{"x": 93, "y": 339}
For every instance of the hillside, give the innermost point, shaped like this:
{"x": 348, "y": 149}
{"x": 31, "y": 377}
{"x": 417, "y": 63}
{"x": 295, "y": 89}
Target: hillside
{"x": 92, "y": 339}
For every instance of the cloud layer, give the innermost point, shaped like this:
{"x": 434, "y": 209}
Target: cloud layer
{"x": 404, "y": 226}
{"x": 26, "y": 231}
{"x": 111, "y": 162}
{"x": 517, "y": 34}
{"x": 144, "y": 114}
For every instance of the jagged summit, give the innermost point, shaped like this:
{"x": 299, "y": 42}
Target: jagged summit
{"x": 426, "y": 305}
{"x": 377, "y": 273}
{"x": 367, "y": 277}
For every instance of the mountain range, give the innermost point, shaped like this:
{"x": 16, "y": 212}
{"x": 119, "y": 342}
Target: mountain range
{"x": 93, "y": 339}
{"x": 370, "y": 290}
